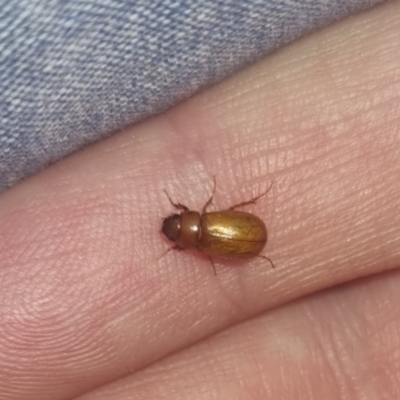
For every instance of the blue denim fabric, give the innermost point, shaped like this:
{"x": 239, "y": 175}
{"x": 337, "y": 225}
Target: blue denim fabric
{"x": 75, "y": 71}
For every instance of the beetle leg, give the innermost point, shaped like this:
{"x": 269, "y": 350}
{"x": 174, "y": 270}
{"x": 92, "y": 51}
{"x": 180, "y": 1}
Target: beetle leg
{"x": 178, "y": 206}
{"x": 252, "y": 201}
{"x": 209, "y": 201}
{"x": 176, "y": 247}
{"x": 212, "y": 263}
{"x": 267, "y": 258}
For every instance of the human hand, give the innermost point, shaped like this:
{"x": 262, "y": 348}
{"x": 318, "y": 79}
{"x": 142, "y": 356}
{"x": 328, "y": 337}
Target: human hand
{"x": 89, "y": 312}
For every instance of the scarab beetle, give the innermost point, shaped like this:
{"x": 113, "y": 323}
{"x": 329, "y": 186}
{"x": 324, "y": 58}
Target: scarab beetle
{"x": 227, "y": 234}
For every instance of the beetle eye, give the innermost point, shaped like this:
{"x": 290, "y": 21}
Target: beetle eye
{"x": 172, "y": 227}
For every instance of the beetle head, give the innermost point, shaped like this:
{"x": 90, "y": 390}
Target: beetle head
{"x": 171, "y": 227}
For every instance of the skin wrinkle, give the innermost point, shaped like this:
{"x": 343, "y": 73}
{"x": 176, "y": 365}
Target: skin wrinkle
{"x": 324, "y": 352}
{"x": 119, "y": 272}
{"x": 51, "y": 334}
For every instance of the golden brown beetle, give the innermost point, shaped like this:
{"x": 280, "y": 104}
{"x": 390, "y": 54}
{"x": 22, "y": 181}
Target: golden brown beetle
{"x": 226, "y": 234}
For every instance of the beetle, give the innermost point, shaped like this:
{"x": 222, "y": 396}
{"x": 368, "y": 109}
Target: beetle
{"x": 226, "y": 234}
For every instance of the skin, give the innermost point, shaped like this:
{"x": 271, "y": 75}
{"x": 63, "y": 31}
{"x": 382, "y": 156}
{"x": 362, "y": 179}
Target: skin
{"x": 88, "y": 312}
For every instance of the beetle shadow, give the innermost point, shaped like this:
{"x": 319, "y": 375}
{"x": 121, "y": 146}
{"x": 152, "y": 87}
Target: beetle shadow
{"x": 232, "y": 263}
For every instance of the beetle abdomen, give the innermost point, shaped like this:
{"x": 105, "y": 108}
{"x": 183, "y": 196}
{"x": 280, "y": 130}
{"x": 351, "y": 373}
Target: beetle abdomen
{"x": 232, "y": 234}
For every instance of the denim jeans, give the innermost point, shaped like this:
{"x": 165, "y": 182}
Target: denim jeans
{"x": 74, "y": 71}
